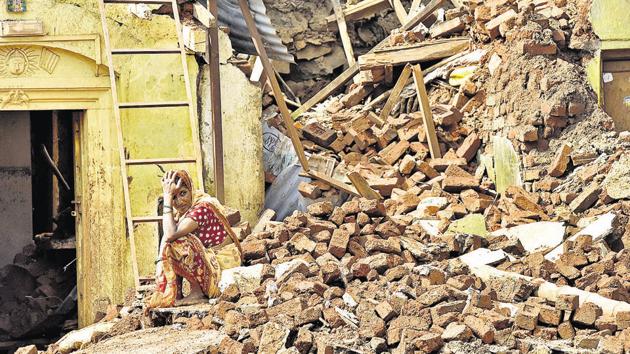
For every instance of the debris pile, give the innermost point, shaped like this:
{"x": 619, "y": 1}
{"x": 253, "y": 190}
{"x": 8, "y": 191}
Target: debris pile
{"x": 308, "y": 29}
{"x": 34, "y": 296}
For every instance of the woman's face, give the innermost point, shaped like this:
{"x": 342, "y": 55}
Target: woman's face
{"x": 182, "y": 199}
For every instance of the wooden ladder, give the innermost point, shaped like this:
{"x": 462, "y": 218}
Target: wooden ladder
{"x": 118, "y": 106}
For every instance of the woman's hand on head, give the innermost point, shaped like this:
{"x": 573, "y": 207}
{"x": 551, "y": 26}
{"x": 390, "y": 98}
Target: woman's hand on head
{"x": 168, "y": 183}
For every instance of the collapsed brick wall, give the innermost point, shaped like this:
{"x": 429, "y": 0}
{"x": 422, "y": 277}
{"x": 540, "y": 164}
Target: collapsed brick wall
{"x": 318, "y": 51}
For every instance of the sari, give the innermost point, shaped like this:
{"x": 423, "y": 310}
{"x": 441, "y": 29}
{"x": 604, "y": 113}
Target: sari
{"x": 189, "y": 258}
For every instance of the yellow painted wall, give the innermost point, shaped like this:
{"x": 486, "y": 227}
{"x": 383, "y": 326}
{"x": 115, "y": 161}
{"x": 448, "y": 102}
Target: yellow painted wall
{"x": 241, "y": 106}
{"x": 104, "y": 267}
{"x": 104, "y": 272}
{"x": 610, "y": 21}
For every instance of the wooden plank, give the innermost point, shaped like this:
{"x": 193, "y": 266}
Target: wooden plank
{"x": 409, "y": 46}
{"x": 400, "y": 11}
{"x": 333, "y": 182}
{"x": 378, "y": 100}
{"x": 616, "y": 66}
{"x": 164, "y": 160}
{"x": 423, "y": 14}
{"x": 84, "y": 262}
{"x": 163, "y": 104}
{"x": 147, "y": 219}
{"x": 264, "y": 218}
{"x": 427, "y": 116}
{"x": 128, "y": 51}
{"x": 275, "y": 87}
{"x": 343, "y": 32}
{"x": 215, "y": 103}
{"x": 446, "y": 28}
{"x": 121, "y": 147}
{"x": 62, "y": 244}
{"x": 413, "y": 55}
{"x": 354, "y": 69}
{"x": 414, "y": 8}
{"x": 203, "y": 15}
{"x": 396, "y": 91}
{"x": 55, "y": 157}
{"x": 363, "y": 9}
{"x": 362, "y": 186}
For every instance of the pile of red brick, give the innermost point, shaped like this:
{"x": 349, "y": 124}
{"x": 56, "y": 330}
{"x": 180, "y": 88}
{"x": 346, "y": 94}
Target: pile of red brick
{"x": 384, "y": 274}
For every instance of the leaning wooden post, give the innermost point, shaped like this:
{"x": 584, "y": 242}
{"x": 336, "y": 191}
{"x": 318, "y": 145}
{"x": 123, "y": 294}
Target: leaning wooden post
{"x": 212, "y": 52}
{"x": 275, "y": 87}
{"x": 427, "y": 115}
{"x": 350, "y": 72}
{"x": 343, "y": 32}
{"x": 395, "y": 93}
{"x": 399, "y": 9}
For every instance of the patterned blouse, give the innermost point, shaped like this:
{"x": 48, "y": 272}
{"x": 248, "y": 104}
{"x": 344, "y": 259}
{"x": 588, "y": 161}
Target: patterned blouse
{"x": 210, "y": 231}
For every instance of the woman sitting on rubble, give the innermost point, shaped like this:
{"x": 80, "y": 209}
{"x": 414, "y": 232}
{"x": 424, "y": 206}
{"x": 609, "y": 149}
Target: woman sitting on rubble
{"x": 198, "y": 244}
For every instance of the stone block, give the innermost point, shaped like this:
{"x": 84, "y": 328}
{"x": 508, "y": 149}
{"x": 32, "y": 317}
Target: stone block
{"x": 309, "y": 190}
{"x": 586, "y": 199}
{"x": 319, "y": 134}
{"x": 469, "y": 147}
{"x": 480, "y": 328}
{"x": 561, "y": 161}
{"x": 587, "y": 314}
{"x": 339, "y": 243}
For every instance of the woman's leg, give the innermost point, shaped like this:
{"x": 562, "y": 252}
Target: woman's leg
{"x": 196, "y": 294}
{"x": 180, "y": 287}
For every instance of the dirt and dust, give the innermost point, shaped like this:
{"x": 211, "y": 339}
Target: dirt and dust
{"x": 158, "y": 340}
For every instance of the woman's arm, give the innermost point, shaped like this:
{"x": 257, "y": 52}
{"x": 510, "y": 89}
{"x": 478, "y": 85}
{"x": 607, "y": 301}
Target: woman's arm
{"x": 186, "y": 226}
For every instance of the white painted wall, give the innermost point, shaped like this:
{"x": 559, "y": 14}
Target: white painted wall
{"x": 16, "y": 215}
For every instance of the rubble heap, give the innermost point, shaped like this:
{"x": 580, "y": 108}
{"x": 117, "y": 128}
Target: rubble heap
{"x": 32, "y": 294}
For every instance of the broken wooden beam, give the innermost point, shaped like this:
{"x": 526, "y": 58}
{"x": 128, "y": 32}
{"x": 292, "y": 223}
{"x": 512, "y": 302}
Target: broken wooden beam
{"x": 363, "y": 9}
{"x": 427, "y": 116}
{"x": 427, "y": 52}
{"x": 277, "y": 93}
{"x": 396, "y": 91}
{"x": 334, "y": 183}
{"x": 399, "y": 10}
{"x": 354, "y": 69}
{"x": 362, "y": 186}
{"x": 343, "y": 32}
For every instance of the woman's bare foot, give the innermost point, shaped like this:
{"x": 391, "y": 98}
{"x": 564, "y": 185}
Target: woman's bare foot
{"x": 196, "y": 296}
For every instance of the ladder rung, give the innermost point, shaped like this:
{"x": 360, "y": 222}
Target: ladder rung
{"x": 123, "y": 51}
{"x": 160, "y": 161}
{"x": 153, "y": 104}
{"x": 145, "y": 219}
{"x": 137, "y": 1}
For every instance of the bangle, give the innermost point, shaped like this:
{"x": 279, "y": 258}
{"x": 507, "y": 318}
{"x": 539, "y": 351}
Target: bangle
{"x": 167, "y": 212}
{"x": 167, "y": 206}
